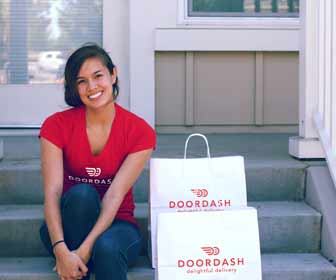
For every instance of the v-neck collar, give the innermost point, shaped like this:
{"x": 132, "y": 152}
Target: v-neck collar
{"x": 109, "y": 139}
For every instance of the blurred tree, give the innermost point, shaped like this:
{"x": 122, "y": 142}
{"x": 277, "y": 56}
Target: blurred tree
{"x": 64, "y": 24}
{"x": 4, "y": 11}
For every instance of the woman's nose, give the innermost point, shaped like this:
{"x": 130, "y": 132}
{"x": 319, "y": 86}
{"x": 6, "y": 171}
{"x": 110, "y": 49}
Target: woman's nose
{"x": 92, "y": 85}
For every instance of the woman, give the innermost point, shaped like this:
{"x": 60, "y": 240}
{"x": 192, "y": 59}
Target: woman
{"x": 91, "y": 156}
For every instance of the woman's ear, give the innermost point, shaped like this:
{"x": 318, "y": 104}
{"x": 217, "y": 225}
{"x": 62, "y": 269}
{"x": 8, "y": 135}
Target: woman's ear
{"x": 114, "y": 74}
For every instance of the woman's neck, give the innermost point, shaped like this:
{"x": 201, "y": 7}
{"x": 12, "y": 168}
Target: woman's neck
{"x": 100, "y": 117}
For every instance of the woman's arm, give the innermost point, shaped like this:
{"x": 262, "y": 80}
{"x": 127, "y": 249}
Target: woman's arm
{"x": 67, "y": 263}
{"x": 122, "y": 182}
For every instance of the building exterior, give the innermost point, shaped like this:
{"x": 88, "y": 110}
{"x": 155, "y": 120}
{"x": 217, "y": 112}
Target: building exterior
{"x": 180, "y": 69}
{"x": 185, "y": 67}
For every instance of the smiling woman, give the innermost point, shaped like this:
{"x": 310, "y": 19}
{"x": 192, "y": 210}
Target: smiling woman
{"x": 91, "y": 156}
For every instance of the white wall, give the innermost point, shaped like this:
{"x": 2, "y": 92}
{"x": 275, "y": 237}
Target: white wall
{"x": 116, "y": 42}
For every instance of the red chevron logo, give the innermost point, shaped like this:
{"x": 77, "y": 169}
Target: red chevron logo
{"x": 200, "y": 192}
{"x": 211, "y": 251}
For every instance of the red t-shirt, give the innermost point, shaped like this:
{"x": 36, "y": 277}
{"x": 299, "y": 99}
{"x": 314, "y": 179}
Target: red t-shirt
{"x": 129, "y": 134}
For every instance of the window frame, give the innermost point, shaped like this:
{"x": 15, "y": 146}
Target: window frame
{"x": 240, "y": 14}
{"x": 185, "y": 20}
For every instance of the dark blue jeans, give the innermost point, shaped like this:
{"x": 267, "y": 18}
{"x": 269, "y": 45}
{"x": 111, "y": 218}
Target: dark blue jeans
{"x": 115, "y": 249}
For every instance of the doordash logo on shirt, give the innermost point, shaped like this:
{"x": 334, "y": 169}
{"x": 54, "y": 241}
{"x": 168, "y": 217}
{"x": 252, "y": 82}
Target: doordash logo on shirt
{"x": 202, "y": 203}
{"x": 214, "y": 263}
{"x": 93, "y": 172}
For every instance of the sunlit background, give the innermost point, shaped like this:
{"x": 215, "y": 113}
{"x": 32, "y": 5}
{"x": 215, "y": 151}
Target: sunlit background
{"x": 36, "y": 36}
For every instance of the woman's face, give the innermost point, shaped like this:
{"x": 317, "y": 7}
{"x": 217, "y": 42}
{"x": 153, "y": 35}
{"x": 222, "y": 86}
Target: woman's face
{"x": 94, "y": 83}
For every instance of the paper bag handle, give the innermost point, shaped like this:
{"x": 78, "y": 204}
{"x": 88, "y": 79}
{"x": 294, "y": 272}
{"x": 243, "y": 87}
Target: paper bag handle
{"x": 200, "y": 135}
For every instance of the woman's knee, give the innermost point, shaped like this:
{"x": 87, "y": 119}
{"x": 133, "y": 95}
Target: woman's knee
{"x": 107, "y": 248}
{"x": 81, "y": 193}
{"x": 81, "y": 201}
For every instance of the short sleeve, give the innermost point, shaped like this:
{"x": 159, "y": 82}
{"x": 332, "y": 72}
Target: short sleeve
{"x": 141, "y": 137}
{"x": 52, "y": 130}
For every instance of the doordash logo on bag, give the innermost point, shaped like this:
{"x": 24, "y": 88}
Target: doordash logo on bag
{"x": 213, "y": 262}
{"x": 211, "y": 251}
{"x": 202, "y": 203}
{"x": 200, "y": 192}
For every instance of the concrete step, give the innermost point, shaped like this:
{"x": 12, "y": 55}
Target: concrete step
{"x": 20, "y": 181}
{"x": 274, "y": 267}
{"x": 285, "y": 227}
{"x": 20, "y": 143}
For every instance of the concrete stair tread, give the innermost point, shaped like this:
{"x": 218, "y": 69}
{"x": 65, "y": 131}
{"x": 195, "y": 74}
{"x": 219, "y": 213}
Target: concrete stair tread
{"x": 35, "y": 163}
{"x": 307, "y": 262}
{"x": 291, "y": 266}
{"x": 20, "y": 164}
{"x": 42, "y": 266}
{"x": 264, "y": 208}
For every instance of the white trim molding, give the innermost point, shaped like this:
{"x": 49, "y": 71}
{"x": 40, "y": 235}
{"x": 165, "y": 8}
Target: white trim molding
{"x": 219, "y": 39}
{"x": 300, "y": 147}
{"x": 141, "y": 58}
{"x": 307, "y": 145}
{"x": 116, "y": 43}
{"x": 325, "y": 113}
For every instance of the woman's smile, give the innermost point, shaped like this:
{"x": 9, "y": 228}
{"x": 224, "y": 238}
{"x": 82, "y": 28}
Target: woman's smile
{"x": 96, "y": 95}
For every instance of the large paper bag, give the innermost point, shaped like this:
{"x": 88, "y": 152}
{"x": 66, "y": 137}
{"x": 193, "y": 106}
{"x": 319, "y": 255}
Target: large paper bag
{"x": 209, "y": 245}
{"x": 195, "y": 184}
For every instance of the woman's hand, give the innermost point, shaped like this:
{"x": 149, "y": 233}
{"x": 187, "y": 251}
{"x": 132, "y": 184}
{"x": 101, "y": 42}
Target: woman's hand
{"x": 84, "y": 253}
{"x": 69, "y": 266}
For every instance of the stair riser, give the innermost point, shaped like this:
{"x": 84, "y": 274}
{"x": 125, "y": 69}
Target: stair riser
{"x": 21, "y": 147}
{"x": 23, "y": 184}
{"x": 277, "y": 234}
{"x": 1, "y": 149}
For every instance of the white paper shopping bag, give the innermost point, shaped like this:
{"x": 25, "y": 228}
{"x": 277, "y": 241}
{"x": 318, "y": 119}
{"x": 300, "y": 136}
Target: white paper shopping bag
{"x": 209, "y": 245}
{"x": 197, "y": 184}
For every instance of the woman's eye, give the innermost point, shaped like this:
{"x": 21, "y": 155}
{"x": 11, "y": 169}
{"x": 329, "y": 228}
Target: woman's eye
{"x": 99, "y": 75}
{"x": 79, "y": 82}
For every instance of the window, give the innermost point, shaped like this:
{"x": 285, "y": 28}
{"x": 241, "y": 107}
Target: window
{"x": 243, "y": 8}
{"x": 36, "y": 37}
